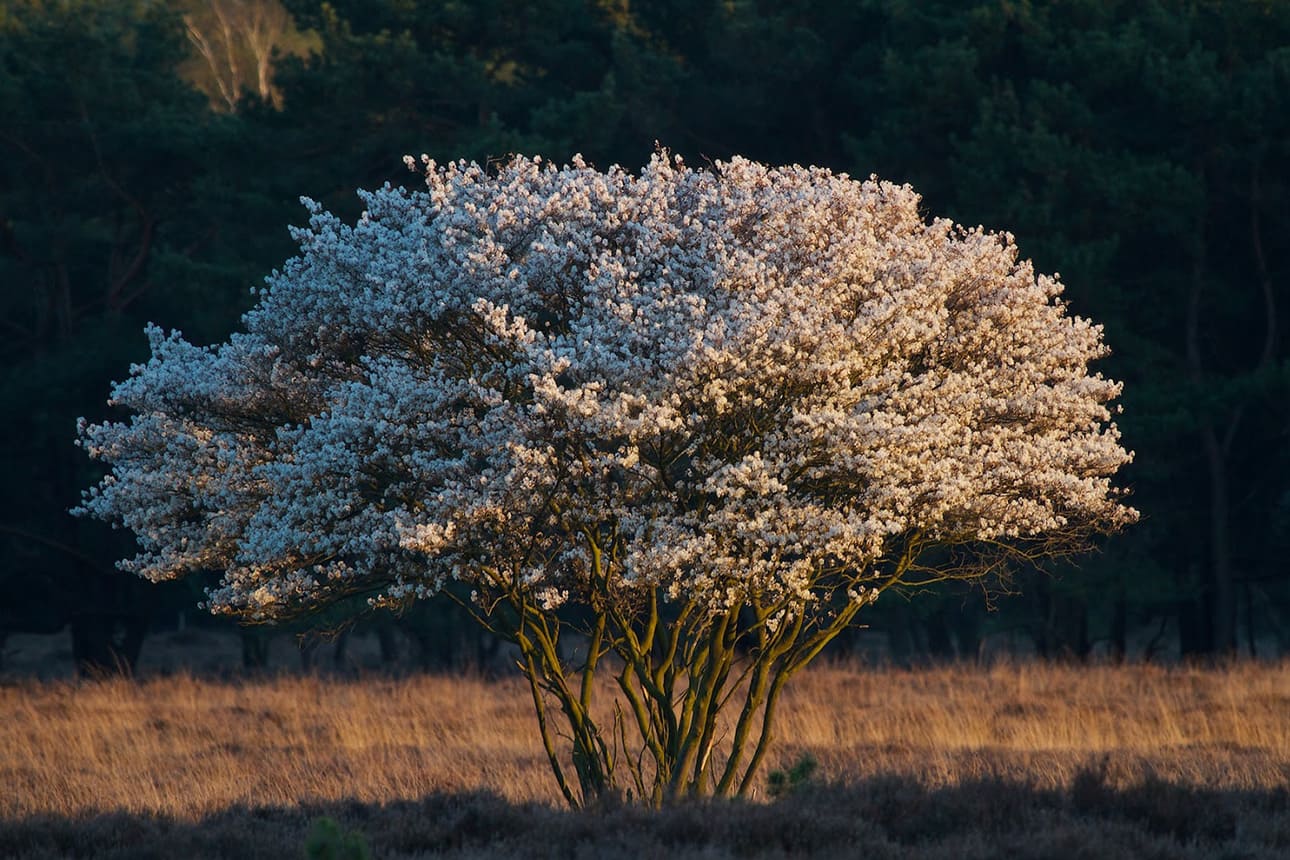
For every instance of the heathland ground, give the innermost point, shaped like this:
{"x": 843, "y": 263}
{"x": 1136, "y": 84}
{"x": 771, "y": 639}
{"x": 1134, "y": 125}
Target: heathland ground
{"x": 1017, "y": 759}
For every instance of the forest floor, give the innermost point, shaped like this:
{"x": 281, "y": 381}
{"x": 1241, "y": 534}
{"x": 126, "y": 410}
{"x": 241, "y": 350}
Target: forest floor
{"x": 1015, "y": 760}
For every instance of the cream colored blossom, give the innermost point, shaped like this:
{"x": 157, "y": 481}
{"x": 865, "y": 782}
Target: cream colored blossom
{"x": 725, "y": 383}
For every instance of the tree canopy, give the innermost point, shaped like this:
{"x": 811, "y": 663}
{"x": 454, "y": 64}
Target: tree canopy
{"x": 745, "y": 400}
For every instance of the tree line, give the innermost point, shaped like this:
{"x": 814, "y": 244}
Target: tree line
{"x": 152, "y": 159}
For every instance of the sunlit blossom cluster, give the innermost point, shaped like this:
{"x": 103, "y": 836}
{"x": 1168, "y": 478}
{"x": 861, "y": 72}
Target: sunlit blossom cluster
{"x": 715, "y": 383}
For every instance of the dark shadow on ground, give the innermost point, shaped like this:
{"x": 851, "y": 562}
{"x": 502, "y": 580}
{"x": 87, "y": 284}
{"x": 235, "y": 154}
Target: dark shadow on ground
{"x": 880, "y": 817}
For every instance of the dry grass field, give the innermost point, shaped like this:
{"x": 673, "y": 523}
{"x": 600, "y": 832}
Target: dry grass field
{"x": 1015, "y": 760}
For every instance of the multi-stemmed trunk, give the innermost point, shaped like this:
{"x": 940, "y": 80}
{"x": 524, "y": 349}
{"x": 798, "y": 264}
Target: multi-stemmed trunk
{"x": 694, "y": 691}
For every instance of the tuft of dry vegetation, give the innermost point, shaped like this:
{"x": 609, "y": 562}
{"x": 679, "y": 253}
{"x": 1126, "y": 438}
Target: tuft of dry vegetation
{"x": 1039, "y": 760}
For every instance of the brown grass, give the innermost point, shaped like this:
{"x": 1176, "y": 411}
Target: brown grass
{"x": 1226, "y": 728}
{"x": 186, "y": 752}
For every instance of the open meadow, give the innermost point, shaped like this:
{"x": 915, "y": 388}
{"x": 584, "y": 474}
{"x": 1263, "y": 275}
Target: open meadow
{"x": 1024, "y": 760}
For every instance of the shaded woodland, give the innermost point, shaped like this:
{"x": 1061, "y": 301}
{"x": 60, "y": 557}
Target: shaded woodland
{"x": 152, "y": 154}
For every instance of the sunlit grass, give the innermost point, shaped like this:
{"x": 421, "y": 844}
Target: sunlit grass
{"x": 186, "y": 747}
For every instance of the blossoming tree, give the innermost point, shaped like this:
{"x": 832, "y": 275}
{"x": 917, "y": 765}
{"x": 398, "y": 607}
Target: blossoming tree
{"x": 698, "y": 418}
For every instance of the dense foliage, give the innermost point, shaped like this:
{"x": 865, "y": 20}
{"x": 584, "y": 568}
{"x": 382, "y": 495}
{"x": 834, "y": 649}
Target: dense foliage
{"x": 1140, "y": 148}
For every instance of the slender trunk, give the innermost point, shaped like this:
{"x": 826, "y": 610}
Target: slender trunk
{"x": 1249, "y": 621}
{"x": 1218, "y": 591}
{"x": 106, "y": 643}
{"x": 227, "y": 90}
{"x": 389, "y": 644}
{"x": 1223, "y": 592}
{"x": 1120, "y": 625}
{"x": 341, "y": 652}
{"x": 255, "y": 649}
{"x": 1195, "y": 623}
{"x": 230, "y": 50}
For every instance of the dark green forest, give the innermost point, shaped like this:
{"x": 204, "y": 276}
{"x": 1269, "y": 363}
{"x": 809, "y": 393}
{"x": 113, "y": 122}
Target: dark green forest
{"x": 153, "y": 152}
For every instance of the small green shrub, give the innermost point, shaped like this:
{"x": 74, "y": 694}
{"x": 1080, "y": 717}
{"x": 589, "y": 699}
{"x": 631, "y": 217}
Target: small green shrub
{"x": 326, "y": 841}
{"x": 781, "y": 783}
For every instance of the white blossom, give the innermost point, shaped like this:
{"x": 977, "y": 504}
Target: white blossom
{"x": 722, "y": 383}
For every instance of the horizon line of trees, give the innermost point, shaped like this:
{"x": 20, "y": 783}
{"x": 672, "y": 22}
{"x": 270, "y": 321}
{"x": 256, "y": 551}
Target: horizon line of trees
{"x": 153, "y": 156}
